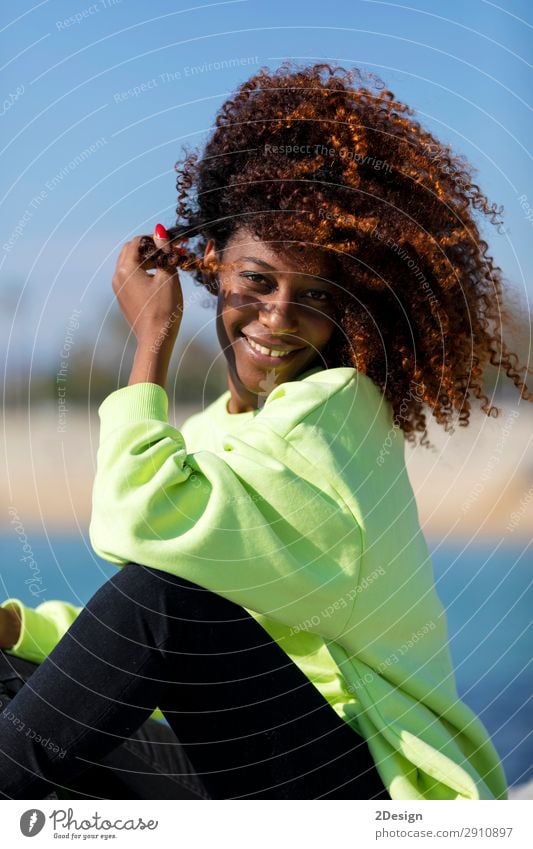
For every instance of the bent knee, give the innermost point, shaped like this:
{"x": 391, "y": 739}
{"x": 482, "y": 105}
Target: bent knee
{"x": 150, "y": 587}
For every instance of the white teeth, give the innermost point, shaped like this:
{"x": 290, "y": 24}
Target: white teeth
{"x": 267, "y": 351}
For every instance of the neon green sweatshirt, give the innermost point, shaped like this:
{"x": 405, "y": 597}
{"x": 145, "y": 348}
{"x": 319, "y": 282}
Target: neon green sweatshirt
{"x": 301, "y": 512}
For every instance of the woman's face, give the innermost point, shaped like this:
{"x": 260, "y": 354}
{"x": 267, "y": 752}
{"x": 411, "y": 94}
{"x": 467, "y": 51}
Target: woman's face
{"x": 268, "y": 299}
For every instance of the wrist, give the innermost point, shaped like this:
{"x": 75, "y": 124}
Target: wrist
{"x": 151, "y": 362}
{"x": 156, "y": 337}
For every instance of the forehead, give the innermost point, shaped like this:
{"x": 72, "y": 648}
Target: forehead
{"x": 281, "y": 255}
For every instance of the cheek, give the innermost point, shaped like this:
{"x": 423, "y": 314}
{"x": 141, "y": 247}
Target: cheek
{"x": 235, "y": 311}
{"x": 318, "y": 327}
{"x": 233, "y": 319}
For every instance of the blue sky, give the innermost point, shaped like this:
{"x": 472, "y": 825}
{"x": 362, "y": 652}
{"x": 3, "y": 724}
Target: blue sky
{"x": 132, "y": 80}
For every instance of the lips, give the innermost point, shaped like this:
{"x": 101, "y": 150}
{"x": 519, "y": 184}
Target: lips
{"x": 273, "y": 344}
{"x": 267, "y": 358}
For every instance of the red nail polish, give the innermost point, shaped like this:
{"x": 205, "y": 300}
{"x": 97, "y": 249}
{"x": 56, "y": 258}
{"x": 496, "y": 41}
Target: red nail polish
{"x": 160, "y": 232}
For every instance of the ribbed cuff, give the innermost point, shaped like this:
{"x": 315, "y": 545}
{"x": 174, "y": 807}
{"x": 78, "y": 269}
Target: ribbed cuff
{"x": 134, "y": 403}
{"x": 32, "y": 642}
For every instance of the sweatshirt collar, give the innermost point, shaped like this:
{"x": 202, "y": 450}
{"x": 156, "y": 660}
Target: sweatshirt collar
{"x": 222, "y": 414}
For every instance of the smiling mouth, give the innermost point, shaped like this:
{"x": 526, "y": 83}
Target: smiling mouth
{"x": 267, "y": 355}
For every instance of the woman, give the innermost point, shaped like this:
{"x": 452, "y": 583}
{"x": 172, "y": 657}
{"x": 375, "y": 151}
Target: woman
{"x": 275, "y": 598}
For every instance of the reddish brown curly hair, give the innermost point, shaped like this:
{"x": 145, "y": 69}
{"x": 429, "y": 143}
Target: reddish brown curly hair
{"x": 303, "y": 156}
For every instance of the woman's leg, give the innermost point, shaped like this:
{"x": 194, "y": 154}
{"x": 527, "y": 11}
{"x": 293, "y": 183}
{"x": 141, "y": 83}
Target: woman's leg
{"x": 150, "y": 764}
{"x": 251, "y": 723}
{"x": 147, "y": 765}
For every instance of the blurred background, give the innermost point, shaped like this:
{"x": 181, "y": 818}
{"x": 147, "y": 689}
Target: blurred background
{"x": 100, "y": 100}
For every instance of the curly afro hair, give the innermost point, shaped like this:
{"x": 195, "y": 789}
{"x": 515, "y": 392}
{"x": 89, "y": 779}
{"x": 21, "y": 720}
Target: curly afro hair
{"x": 327, "y": 157}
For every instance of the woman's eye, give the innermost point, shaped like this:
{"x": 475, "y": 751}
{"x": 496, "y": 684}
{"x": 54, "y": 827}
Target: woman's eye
{"x": 255, "y": 278}
{"x": 324, "y": 295}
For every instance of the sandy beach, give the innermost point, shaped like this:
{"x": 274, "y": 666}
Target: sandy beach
{"x": 478, "y": 483}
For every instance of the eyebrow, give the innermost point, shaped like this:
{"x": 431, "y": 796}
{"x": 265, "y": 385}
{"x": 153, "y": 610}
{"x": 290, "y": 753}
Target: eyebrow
{"x": 266, "y": 265}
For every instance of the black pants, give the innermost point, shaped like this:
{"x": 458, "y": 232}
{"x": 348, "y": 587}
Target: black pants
{"x": 249, "y": 721}
{"x": 150, "y": 764}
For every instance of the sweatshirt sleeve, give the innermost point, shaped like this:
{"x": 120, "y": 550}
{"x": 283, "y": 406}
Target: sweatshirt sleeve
{"x": 257, "y": 522}
{"x": 41, "y": 627}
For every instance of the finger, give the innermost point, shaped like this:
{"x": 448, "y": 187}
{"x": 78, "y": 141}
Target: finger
{"x": 163, "y": 241}
{"x": 161, "y": 237}
{"x": 129, "y": 254}
{"x": 148, "y": 264}
{"x": 131, "y": 251}
{"x": 123, "y": 250}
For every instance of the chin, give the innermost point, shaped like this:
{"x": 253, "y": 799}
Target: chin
{"x": 271, "y": 377}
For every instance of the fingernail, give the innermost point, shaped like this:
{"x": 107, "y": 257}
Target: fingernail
{"x": 160, "y": 232}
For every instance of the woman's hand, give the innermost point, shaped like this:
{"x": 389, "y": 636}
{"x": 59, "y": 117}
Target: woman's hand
{"x": 9, "y": 628}
{"x": 152, "y": 304}
{"x": 153, "y": 307}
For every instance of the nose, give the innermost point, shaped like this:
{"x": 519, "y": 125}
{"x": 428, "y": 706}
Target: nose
{"x": 279, "y": 315}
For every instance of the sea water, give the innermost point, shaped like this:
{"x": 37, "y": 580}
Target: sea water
{"x": 485, "y": 588}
